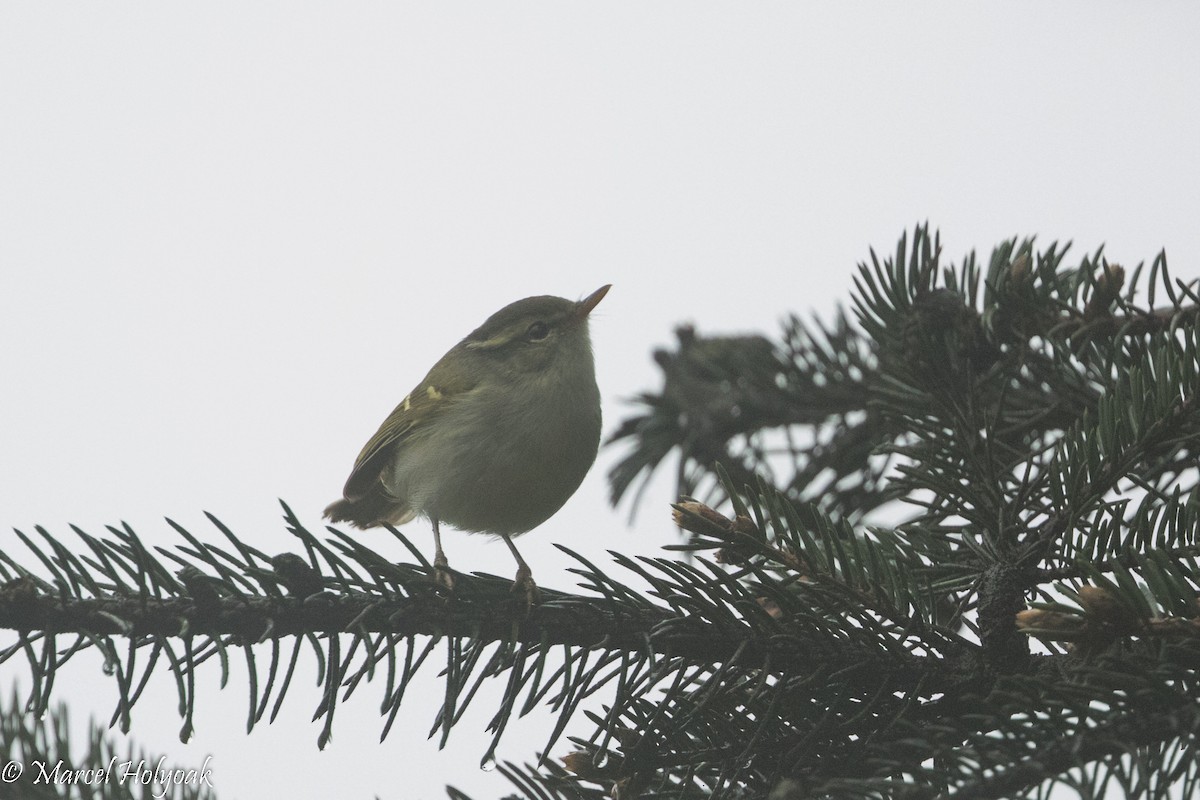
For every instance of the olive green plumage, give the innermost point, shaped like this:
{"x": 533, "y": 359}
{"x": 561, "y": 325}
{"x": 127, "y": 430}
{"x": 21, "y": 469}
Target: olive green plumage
{"x": 496, "y": 437}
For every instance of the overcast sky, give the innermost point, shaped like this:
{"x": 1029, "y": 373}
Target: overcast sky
{"x": 233, "y": 235}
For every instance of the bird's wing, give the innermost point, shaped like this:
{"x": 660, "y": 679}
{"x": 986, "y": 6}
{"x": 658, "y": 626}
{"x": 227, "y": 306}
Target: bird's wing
{"x": 418, "y": 409}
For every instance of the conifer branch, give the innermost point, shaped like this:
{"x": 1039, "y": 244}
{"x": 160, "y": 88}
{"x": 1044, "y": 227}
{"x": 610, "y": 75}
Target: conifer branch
{"x": 1023, "y": 438}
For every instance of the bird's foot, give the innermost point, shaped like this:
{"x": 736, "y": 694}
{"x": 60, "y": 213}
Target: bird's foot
{"x": 442, "y": 576}
{"x": 524, "y": 587}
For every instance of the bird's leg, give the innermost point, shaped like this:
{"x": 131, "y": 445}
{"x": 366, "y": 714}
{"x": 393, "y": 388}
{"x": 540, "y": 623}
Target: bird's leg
{"x": 523, "y": 582}
{"x": 441, "y": 567}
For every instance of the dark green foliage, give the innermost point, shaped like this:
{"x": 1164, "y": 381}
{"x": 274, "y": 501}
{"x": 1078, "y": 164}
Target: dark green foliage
{"x": 946, "y": 549}
{"x": 39, "y": 763}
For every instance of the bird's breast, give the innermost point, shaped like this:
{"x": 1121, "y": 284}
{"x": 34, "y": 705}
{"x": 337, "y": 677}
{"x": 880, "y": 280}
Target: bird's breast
{"x": 501, "y": 464}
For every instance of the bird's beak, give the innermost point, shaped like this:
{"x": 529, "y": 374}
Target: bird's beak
{"x": 585, "y": 306}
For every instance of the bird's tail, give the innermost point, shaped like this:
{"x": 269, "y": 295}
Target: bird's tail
{"x": 368, "y": 512}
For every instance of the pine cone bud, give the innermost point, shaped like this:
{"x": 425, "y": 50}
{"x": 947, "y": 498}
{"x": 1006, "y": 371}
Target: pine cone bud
{"x": 1103, "y": 608}
{"x": 1053, "y": 626}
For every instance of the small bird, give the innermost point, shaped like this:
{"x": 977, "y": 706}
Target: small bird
{"x": 495, "y": 439}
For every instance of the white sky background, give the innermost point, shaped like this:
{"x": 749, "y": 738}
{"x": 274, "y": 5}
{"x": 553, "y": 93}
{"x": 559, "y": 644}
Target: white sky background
{"x": 232, "y": 237}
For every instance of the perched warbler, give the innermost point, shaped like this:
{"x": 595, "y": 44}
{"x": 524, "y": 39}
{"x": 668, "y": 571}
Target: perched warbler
{"x": 496, "y": 437}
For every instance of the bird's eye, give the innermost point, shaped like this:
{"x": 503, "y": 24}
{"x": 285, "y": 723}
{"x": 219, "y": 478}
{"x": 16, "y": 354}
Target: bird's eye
{"x": 537, "y": 331}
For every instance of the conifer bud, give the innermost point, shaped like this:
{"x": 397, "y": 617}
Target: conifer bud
{"x": 1052, "y": 626}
